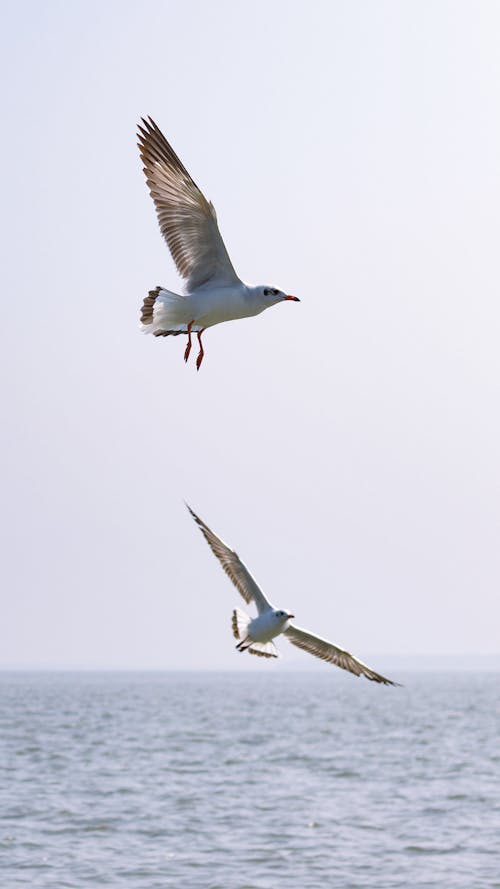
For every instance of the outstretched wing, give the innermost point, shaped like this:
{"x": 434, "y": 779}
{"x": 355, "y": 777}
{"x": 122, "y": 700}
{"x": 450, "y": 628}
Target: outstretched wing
{"x": 234, "y": 567}
{"x": 327, "y": 651}
{"x": 187, "y": 220}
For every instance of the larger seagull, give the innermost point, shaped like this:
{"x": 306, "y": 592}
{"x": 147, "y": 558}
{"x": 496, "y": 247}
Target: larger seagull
{"x": 256, "y": 635}
{"x": 213, "y": 291}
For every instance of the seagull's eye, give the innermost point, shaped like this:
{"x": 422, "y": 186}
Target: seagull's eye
{"x": 275, "y": 292}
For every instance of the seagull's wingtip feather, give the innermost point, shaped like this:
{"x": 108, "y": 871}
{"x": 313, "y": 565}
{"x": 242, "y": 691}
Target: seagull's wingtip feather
{"x": 195, "y": 517}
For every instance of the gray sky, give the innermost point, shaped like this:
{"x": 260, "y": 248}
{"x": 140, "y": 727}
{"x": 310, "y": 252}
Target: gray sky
{"x": 347, "y": 446}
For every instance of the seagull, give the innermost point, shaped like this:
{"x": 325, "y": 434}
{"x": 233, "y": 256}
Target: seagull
{"x": 188, "y": 222}
{"x": 256, "y": 635}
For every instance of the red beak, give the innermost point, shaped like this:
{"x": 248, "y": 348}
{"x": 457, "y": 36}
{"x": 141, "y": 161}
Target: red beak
{"x": 294, "y": 298}
{"x": 290, "y": 616}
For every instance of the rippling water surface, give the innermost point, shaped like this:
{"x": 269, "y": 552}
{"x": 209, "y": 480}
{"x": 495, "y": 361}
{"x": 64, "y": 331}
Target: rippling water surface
{"x": 238, "y": 781}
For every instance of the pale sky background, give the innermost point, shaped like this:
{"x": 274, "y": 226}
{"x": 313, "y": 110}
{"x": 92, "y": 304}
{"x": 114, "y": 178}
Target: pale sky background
{"x": 347, "y": 446}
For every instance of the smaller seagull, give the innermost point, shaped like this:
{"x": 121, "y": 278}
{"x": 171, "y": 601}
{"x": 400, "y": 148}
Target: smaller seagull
{"x": 188, "y": 222}
{"x": 256, "y": 635}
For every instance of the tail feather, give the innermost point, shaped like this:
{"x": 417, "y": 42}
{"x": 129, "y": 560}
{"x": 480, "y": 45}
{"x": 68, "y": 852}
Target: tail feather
{"x": 263, "y": 649}
{"x": 148, "y": 306}
{"x": 240, "y": 622}
{"x": 165, "y": 313}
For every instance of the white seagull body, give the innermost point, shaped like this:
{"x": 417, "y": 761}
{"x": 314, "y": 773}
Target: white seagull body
{"x": 188, "y": 222}
{"x": 256, "y": 636}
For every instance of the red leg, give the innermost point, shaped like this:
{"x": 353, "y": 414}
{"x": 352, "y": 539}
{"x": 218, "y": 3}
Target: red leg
{"x": 188, "y": 347}
{"x": 201, "y": 352}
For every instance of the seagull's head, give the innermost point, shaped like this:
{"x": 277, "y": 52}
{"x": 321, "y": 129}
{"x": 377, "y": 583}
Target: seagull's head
{"x": 283, "y": 618}
{"x": 270, "y": 296}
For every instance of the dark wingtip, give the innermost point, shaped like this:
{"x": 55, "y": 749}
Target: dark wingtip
{"x": 386, "y": 681}
{"x": 149, "y": 125}
{"x": 195, "y": 517}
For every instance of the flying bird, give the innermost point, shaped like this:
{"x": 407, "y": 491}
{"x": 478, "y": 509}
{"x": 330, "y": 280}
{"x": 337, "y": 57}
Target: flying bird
{"x": 188, "y": 222}
{"x": 256, "y": 635}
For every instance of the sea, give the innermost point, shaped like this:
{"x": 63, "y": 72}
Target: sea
{"x": 249, "y": 780}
